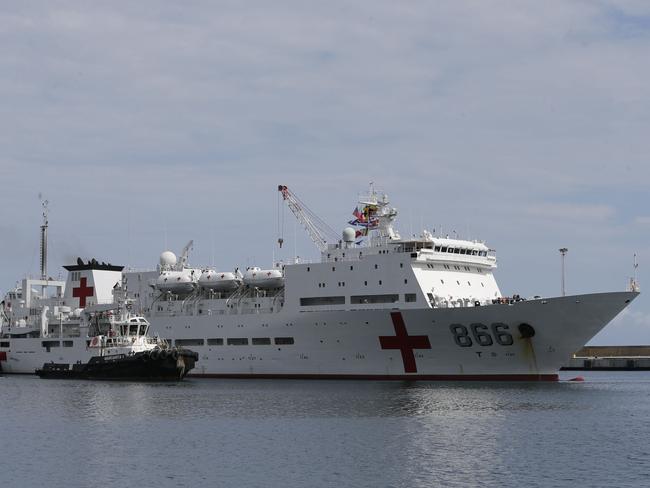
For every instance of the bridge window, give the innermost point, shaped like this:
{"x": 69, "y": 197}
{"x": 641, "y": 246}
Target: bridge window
{"x": 283, "y": 340}
{"x": 189, "y": 342}
{"x": 364, "y": 299}
{"x": 314, "y": 301}
{"x": 410, "y": 297}
{"x": 443, "y": 249}
{"x": 215, "y": 342}
{"x": 237, "y": 341}
{"x": 261, "y": 341}
{"x": 437, "y": 248}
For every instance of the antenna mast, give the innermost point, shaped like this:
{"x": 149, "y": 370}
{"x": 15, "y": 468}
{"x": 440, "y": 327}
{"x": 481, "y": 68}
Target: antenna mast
{"x": 634, "y": 285}
{"x": 44, "y": 204}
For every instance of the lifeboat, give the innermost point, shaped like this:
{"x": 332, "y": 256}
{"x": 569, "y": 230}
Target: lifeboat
{"x": 175, "y": 281}
{"x": 263, "y": 278}
{"x": 219, "y": 281}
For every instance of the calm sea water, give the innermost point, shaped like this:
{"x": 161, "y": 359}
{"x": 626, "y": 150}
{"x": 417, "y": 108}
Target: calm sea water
{"x": 286, "y": 433}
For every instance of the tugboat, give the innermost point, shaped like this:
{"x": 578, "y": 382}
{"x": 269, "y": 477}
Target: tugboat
{"x": 123, "y": 350}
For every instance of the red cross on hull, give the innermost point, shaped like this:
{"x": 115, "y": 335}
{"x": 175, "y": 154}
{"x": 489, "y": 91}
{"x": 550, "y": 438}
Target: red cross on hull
{"x": 404, "y": 342}
{"x": 82, "y": 292}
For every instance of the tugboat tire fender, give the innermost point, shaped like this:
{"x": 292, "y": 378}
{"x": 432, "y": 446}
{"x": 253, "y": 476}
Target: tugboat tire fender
{"x": 154, "y": 354}
{"x": 174, "y": 354}
{"x": 163, "y": 354}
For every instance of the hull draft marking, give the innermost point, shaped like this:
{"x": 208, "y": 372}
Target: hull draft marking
{"x": 404, "y": 342}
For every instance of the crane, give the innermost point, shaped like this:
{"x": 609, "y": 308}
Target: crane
{"x": 317, "y": 228}
{"x": 182, "y": 262}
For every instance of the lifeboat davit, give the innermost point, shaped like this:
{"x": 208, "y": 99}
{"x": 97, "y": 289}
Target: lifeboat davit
{"x": 264, "y": 278}
{"x": 175, "y": 281}
{"x": 219, "y": 280}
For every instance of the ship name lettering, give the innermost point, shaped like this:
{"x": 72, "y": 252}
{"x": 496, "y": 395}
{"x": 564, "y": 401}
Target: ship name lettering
{"x": 480, "y": 334}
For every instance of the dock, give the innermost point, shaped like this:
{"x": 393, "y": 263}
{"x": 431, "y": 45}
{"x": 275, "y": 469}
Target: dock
{"x": 610, "y": 358}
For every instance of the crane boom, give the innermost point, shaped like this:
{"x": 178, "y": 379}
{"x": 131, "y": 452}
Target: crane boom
{"x": 182, "y": 262}
{"x": 318, "y": 230}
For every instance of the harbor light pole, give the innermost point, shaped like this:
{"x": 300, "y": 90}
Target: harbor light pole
{"x": 563, "y": 252}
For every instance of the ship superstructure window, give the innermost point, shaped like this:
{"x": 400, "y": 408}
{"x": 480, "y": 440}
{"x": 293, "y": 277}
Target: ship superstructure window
{"x": 313, "y": 301}
{"x": 48, "y": 344}
{"x": 364, "y": 299}
{"x": 215, "y": 342}
{"x": 261, "y": 341}
{"x": 410, "y": 297}
{"x": 237, "y": 341}
{"x": 68, "y": 343}
{"x": 283, "y": 340}
{"x": 189, "y": 342}
{"x": 4, "y": 344}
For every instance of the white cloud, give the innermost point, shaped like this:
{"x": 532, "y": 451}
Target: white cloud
{"x": 569, "y": 212}
{"x": 481, "y": 116}
{"x": 642, "y": 220}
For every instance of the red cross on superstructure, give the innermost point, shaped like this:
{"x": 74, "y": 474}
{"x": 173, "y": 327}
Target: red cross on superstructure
{"x": 83, "y": 291}
{"x": 404, "y": 342}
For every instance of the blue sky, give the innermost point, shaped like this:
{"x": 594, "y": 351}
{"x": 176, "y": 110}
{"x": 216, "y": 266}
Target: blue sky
{"x": 149, "y": 123}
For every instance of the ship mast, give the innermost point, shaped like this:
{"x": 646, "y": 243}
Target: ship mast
{"x": 44, "y": 204}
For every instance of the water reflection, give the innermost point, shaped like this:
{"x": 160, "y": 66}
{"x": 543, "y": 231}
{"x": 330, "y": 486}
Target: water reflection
{"x": 324, "y": 433}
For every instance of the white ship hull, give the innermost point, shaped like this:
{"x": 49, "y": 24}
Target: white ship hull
{"x": 367, "y": 343}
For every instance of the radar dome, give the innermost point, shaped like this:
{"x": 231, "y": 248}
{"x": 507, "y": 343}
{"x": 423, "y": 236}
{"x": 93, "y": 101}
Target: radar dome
{"x": 349, "y": 234}
{"x": 167, "y": 258}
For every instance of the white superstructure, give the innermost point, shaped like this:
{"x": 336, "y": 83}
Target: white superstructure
{"x": 376, "y": 306}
